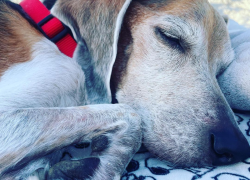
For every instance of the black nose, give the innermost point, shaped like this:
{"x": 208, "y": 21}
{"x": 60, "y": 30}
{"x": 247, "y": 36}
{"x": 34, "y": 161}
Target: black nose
{"x": 229, "y": 146}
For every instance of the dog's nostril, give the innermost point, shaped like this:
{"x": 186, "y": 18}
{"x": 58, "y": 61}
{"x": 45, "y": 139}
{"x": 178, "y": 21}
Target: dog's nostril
{"x": 225, "y": 158}
{"x": 220, "y": 157}
{"x": 228, "y": 148}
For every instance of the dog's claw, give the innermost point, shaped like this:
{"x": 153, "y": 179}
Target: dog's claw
{"x": 69, "y": 170}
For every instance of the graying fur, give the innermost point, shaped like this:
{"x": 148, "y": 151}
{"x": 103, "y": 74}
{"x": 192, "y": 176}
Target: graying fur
{"x": 174, "y": 90}
{"x": 175, "y": 93}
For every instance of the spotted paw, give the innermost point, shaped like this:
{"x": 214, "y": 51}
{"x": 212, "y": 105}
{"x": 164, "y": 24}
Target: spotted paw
{"x": 74, "y": 170}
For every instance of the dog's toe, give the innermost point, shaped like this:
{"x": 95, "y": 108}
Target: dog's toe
{"x": 69, "y": 170}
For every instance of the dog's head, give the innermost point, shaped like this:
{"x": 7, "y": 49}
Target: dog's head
{"x": 169, "y": 54}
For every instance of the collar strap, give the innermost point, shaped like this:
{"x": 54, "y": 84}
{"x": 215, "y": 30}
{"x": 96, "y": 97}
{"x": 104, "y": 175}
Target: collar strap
{"x": 50, "y": 26}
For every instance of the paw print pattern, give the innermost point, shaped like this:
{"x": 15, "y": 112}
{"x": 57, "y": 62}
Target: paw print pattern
{"x": 243, "y": 121}
{"x": 248, "y": 129}
{"x": 247, "y": 161}
{"x": 239, "y": 119}
{"x": 231, "y": 176}
{"x": 200, "y": 172}
{"x": 132, "y": 166}
{"x": 134, "y": 177}
{"x": 156, "y": 168}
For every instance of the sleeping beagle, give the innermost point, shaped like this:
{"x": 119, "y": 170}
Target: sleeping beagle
{"x": 160, "y": 57}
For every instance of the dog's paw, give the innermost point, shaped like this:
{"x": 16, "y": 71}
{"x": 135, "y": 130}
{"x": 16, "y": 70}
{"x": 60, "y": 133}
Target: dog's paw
{"x": 72, "y": 170}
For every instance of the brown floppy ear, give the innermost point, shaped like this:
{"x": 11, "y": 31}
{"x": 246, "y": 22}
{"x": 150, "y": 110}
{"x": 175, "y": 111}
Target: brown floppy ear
{"x": 96, "y": 26}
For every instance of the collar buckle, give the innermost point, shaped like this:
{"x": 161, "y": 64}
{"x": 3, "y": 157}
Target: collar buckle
{"x": 58, "y": 36}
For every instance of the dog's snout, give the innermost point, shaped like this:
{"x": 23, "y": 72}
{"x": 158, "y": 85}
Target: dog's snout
{"x": 229, "y": 146}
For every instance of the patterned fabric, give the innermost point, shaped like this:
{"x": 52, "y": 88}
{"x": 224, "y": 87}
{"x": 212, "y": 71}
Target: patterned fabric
{"x": 145, "y": 167}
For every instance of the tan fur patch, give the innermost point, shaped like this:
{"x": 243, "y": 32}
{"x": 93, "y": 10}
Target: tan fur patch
{"x": 193, "y": 10}
{"x": 16, "y": 38}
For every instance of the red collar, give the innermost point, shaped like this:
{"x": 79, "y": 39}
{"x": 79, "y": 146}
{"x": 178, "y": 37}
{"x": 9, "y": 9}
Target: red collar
{"x": 52, "y": 27}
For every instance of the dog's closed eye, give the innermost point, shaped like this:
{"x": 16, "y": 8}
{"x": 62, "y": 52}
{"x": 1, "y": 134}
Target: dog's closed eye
{"x": 169, "y": 39}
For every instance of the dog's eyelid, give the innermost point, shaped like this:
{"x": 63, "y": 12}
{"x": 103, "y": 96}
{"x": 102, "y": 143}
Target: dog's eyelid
{"x": 168, "y": 33}
{"x": 170, "y": 39}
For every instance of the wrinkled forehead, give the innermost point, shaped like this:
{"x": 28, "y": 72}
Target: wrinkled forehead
{"x": 195, "y": 21}
{"x": 199, "y": 11}
{"x": 188, "y": 15}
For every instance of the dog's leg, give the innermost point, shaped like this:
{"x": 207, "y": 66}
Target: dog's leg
{"x": 30, "y": 134}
